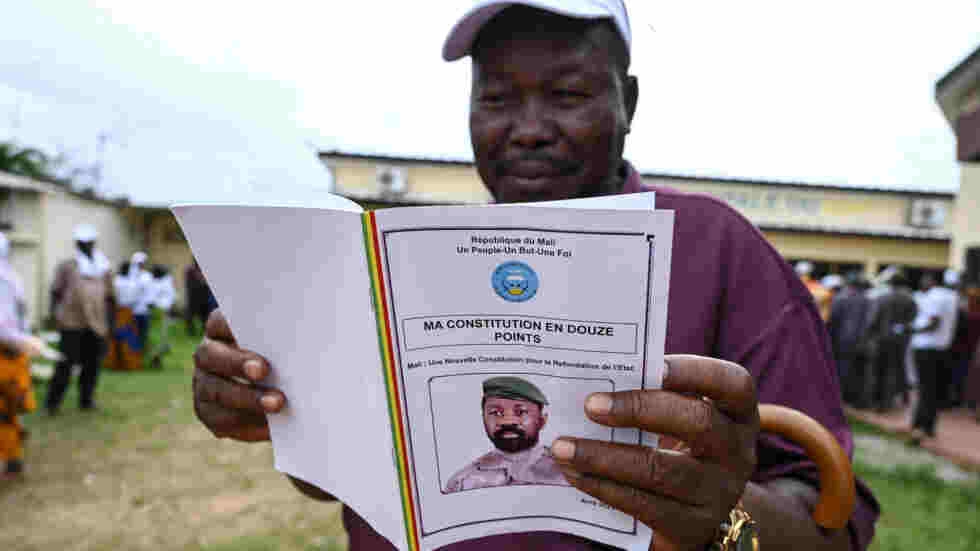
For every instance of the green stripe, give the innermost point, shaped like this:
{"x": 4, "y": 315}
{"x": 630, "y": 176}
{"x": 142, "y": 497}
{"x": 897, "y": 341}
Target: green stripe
{"x": 373, "y": 271}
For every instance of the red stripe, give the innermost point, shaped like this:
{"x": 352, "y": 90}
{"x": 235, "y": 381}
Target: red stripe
{"x": 394, "y": 378}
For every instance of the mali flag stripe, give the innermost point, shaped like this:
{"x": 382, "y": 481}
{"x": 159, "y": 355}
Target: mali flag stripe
{"x": 386, "y": 347}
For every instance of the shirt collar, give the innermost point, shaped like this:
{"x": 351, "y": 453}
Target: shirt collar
{"x": 634, "y": 182}
{"x": 496, "y": 457}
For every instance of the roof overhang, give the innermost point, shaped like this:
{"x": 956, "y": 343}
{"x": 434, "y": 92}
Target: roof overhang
{"x": 868, "y": 230}
{"x": 956, "y": 84}
{"x": 673, "y": 177}
{"x": 22, "y": 183}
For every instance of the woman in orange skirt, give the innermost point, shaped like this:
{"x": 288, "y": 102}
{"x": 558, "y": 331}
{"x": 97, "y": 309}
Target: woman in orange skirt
{"x": 16, "y": 349}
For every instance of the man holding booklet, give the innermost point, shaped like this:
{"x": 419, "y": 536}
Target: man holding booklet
{"x": 551, "y": 105}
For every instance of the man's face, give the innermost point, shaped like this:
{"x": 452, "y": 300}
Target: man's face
{"x": 513, "y": 425}
{"x": 548, "y": 116}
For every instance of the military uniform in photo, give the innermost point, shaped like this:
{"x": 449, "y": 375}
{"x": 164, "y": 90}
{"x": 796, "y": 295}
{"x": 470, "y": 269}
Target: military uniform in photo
{"x": 498, "y": 467}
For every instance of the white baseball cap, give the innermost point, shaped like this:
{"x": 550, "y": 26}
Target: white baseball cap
{"x": 85, "y": 233}
{"x": 460, "y": 39}
{"x": 832, "y": 281}
{"x": 139, "y": 257}
{"x": 951, "y": 278}
{"x": 804, "y": 267}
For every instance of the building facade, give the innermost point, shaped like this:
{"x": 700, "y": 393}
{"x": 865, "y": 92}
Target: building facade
{"x": 958, "y": 95}
{"x": 39, "y": 219}
{"x": 839, "y": 229}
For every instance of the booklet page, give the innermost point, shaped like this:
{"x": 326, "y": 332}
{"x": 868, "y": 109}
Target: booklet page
{"x": 294, "y": 286}
{"x": 502, "y": 321}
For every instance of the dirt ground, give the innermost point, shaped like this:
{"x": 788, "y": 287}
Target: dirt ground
{"x": 155, "y": 479}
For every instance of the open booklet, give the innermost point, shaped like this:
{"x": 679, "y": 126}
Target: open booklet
{"x": 430, "y": 355}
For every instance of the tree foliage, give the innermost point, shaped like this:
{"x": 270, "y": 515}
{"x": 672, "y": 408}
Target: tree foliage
{"x": 27, "y": 161}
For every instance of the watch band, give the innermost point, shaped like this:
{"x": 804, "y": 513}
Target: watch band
{"x": 738, "y": 533}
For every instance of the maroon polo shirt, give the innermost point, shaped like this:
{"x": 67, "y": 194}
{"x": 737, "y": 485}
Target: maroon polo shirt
{"x": 732, "y": 296}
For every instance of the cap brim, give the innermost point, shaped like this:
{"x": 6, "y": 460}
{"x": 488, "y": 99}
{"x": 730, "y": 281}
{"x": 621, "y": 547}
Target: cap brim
{"x": 460, "y": 40}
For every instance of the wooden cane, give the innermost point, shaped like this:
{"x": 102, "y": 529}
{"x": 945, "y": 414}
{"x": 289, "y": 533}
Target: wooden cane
{"x": 837, "y": 491}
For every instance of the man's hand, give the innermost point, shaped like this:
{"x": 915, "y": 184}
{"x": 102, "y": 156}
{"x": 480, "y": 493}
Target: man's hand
{"x": 228, "y": 398}
{"x": 708, "y": 404}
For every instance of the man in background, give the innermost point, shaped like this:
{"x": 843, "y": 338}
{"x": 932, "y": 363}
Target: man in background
{"x": 887, "y": 338}
{"x": 848, "y": 318}
{"x": 81, "y": 301}
{"x": 933, "y": 330}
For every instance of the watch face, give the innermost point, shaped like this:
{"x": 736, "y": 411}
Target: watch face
{"x": 748, "y": 539}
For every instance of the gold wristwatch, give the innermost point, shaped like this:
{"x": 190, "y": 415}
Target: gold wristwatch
{"x": 738, "y": 534}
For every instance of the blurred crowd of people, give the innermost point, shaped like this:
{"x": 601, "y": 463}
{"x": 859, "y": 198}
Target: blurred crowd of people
{"x": 118, "y": 320}
{"x": 899, "y": 343}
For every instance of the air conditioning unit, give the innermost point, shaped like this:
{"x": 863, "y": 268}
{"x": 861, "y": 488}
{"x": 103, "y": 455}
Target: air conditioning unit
{"x": 927, "y": 213}
{"x": 391, "y": 181}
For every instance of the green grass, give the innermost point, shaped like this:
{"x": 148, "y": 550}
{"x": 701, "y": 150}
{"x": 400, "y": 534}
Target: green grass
{"x": 126, "y": 400}
{"x": 920, "y": 511}
{"x": 860, "y": 427}
{"x": 142, "y": 473}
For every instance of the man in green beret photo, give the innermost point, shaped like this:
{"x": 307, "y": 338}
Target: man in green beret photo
{"x": 513, "y": 416}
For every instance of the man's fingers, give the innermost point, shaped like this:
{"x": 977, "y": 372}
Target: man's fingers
{"x": 677, "y": 521}
{"x": 234, "y": 410}
{"x": 696, "y": 422}
{"x": 219, "y": 353}
{"x": 227, "y": 423}
{"x": 236, "y": 396}
{"x": 227, "y": 360}
{"x": 729, "y": 385}
{"x": 664, "y": 472}
{"x": 217, "y": 328}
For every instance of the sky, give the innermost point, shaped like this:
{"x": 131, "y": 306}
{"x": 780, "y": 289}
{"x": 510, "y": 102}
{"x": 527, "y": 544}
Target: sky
{"x": 218, "y": 100}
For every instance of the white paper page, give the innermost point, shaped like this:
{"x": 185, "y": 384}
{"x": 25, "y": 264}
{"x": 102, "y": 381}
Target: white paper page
{"x": 294, "y": 286}
{"x": 601, "y": 269}
{"x": 328, "y": 201}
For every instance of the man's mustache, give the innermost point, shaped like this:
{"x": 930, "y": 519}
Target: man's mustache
{"x": 562, "y": 166}
{"x": 512, "y": 429}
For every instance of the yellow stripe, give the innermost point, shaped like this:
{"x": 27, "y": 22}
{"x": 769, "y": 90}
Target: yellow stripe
{"x": 386, "y": 348}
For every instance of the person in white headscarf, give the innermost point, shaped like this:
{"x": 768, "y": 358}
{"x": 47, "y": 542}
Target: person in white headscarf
{"x": 17, "y": 346}
{"x": 133, "y": 286}
{"x": 163, "y": 295}
{"x": 140, "y": 285}
{"x": 82, "y": 298}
